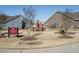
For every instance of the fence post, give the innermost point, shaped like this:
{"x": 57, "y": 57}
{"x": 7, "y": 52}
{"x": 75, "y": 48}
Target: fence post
{"x": 9, "y": 32}
{"x": 17, "y": 32}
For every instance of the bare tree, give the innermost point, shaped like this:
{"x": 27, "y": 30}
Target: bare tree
{"x": 29, "y": 14}
{"x": 3, "y": 17}
{"x": 66, "y": 21}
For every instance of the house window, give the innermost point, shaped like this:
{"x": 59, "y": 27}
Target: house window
{"x": 56, "y": 24}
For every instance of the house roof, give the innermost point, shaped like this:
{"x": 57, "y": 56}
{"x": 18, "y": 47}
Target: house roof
{"x": 74, "y": 16}
{"x": 71, "y": 17}
{"x": 9, "y": 18}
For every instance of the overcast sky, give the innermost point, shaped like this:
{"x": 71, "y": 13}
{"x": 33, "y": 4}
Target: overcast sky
{"x": 43, "y": 11}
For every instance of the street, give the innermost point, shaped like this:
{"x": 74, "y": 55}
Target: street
{"x": 72, "y": 48}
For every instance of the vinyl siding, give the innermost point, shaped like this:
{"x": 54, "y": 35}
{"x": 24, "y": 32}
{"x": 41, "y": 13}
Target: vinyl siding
{"x": 14, "y": 23}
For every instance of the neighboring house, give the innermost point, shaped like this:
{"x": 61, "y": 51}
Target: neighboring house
{"x": 55, "y": 21}
{"x": 14, "y": 21}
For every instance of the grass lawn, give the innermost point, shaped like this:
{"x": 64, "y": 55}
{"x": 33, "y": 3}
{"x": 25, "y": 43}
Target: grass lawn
{"x": 45, "y": 39}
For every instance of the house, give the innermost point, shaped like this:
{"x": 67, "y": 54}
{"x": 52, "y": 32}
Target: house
{"x": 14, "y": 21}
{"x": 56, "y": 20}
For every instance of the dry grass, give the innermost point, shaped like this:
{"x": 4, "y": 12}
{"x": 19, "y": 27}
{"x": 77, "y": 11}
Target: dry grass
{"x": 48, "y": 38}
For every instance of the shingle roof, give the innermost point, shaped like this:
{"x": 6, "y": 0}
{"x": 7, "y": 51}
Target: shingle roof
{"x": 9, "y": 18}
{"x": 75, "y": 16}
{"x": 71, "y": 17}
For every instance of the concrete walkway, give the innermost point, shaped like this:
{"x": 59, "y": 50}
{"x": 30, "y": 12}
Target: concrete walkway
{"x": 72, "y": 48}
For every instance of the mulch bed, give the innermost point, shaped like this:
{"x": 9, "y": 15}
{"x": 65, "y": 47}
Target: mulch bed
{"x": 31, "y": 43}
{"x": 2, "y": 36}
{"x": 69, "y": 33}
{"x": 19, "y": 36}
{"x": 37, "y": 34}
{"x": 29, "y": 38}
{"x": 66, "y": 37}
{"x": 34, "y": 43}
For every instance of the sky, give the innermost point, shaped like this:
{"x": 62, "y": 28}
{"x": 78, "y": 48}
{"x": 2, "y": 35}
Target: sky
{"x": 43, "y": 12}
